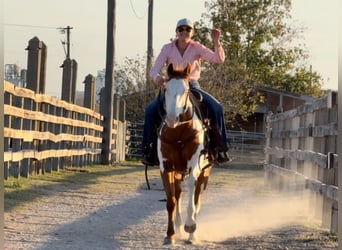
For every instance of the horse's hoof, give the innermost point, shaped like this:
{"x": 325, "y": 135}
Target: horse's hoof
{"x": 190, "y": 229}
{"x": 188, "y": 242}
{"x": 169, "y": 241}
{"x": 192, "y": 241}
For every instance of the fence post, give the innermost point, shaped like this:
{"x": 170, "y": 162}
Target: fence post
{"x": 16, "y": 123}
{"x": 49, "y": 144}
{"x": 35, "y": 81}
{"x": 67, "y": 80}
{"x": 7, "y": 141}
{"x": 329, "y": 172}
{"x": 33, "y": 64}
{"x": 74, "y": 68}
{"x": 57, "y": 129}
{"x": 27, "y": 125}
{"x": 122, "y": 130}
{"x": 89, "y": 92}
{"x": 115, "y": 136}
{"x": 42, "y": 77}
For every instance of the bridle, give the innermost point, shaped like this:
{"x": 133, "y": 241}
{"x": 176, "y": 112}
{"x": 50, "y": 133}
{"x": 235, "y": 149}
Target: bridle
{"x": 185, "y": 117}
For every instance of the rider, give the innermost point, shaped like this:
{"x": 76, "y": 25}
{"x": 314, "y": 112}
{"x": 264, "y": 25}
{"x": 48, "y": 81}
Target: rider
{"x": 181, "y": 52}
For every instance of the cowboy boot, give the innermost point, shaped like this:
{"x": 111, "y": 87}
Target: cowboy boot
{"x": 219, "y": 151}
{"x": 150, "y": 157}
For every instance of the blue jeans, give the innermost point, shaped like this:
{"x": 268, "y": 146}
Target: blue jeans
{"x": 154, "y": 113}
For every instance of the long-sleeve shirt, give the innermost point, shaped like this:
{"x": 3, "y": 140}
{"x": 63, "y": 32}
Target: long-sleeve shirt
{"x": 193, "y": 55}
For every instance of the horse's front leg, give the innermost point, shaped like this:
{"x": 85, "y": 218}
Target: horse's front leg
{"x": 196, "y": 188}
{"x": 178, "y": 189}
{"x": 168, "y": 179}
{"x": 190, "y": 223}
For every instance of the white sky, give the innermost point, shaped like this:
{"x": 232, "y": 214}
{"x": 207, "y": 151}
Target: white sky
{"x": 88, "y": 36}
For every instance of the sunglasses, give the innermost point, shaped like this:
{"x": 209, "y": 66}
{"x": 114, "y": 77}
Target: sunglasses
{"x": 181, "y": 29}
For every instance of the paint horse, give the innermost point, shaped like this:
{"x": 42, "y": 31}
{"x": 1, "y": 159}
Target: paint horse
{"x": 181, "y": 139}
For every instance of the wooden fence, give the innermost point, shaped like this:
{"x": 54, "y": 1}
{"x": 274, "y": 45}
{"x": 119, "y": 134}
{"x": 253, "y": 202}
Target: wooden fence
{"x": 301, "y": 154}
{"x": 42, "y": 133}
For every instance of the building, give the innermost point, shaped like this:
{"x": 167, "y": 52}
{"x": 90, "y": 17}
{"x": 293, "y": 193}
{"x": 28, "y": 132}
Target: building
{"x": 275, "y": 101}
{"x": 15, "y": 75}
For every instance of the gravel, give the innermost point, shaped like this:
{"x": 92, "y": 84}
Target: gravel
{"x": 238, "y": 212}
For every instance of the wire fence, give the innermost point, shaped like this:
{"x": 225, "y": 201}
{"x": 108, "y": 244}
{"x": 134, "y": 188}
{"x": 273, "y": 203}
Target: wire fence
{"x": 242, "y": 144}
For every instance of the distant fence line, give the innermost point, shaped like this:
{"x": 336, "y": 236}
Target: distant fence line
{"x": 42, "y": 133}
{"x": 242, "y": 144}
{"x": 301, "y": 153}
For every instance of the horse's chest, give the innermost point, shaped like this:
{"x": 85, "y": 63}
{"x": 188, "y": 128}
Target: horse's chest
{"x": 178, "y": 145}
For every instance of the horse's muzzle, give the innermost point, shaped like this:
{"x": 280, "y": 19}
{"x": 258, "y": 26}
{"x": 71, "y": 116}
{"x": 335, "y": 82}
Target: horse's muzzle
{"x": 172, "y": 121}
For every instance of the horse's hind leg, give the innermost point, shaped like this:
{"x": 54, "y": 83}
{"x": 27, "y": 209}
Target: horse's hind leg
{"x": 199, "y": 190}
{"x": 200, "y": 187}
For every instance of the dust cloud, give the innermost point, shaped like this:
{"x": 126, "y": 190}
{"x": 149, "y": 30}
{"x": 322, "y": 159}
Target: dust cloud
{"x": 250, "y": 215}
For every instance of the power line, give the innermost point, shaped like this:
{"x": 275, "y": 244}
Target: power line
{"x": 135, "y": 13}
{"x": 29, "y": 26}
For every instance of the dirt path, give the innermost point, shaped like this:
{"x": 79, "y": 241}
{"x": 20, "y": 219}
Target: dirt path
{"x": 238, "y": 212}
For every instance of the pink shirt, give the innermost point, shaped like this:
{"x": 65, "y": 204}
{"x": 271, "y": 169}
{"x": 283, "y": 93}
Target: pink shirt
{"x": 194, "y": 53}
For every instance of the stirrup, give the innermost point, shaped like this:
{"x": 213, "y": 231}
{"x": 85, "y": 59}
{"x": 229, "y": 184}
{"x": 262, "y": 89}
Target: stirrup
{"x": 149, "y": 159}
{"x": 223, "y": 157}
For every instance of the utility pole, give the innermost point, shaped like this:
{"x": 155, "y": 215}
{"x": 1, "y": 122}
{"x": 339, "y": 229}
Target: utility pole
{"x": 149, "y": 46}
{"x": 68, "y": 41}
{"x": 69, "y": 70}
{"x": 67, "y": 29}
{"x": 108, "y": 98}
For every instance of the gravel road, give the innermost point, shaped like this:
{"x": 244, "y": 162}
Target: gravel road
{"x": 119, "y": 212}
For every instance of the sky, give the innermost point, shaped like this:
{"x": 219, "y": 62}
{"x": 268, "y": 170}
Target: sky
{"x": 24, "y": 20}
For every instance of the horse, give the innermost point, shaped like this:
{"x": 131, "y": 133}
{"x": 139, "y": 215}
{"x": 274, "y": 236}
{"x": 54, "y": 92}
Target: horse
{"x": 180, "y": 147}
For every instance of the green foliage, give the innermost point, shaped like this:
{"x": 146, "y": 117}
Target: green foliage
{"x": 257, "y": 41}
{"x": 131, "y": 84}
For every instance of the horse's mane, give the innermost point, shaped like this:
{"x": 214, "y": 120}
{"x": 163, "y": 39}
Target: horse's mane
{"x": 178, "y": 73}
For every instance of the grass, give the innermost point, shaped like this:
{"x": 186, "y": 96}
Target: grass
{"x": 97, "y": 178}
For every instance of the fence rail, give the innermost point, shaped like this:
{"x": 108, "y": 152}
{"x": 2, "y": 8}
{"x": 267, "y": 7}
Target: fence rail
{"x": 301, "y": 151}
{"x": 42, "y": 133}
{"x": 247, "y": 146}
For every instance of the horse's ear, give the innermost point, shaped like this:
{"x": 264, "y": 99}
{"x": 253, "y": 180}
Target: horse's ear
{"x": 170, "y": 69}
{"x": 187, "y": 70}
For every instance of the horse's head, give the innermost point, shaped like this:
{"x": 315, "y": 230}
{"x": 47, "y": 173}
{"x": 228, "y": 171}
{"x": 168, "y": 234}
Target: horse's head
{"x": 176, "y": 94}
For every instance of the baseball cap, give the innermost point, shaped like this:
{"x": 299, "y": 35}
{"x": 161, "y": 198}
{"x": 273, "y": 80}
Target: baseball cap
{"x": 185, "y": 22}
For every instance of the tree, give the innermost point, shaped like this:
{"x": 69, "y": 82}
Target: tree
{"x": 257, "y": 42}
{"x": 131, "y": 84}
